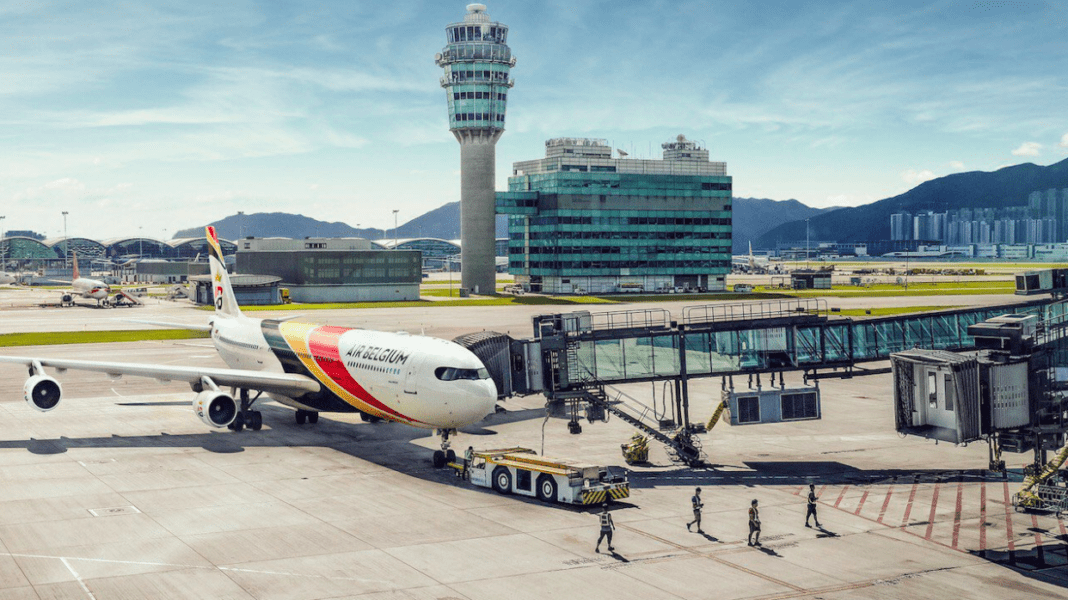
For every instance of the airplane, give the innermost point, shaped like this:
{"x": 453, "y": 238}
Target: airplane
{"x": 6, "y": 278}
{"x": 416, "y": 380}
{"x": 87, "y": 288}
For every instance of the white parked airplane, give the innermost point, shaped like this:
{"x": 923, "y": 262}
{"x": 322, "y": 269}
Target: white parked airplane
{"x": 87, "y": 288}
{"x": 416, "y": 380}
{"x": 6, "y": 278}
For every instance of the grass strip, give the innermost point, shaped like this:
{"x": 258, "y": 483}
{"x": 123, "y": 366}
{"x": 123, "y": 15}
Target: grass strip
{"x": 889, "y": 310}
{"x": 50, "y": 338}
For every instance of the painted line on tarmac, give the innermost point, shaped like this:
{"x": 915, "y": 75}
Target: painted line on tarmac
{"x": 85, "y": 588}
{"x": 934, "y": 509}
{"x": 1008, "y": 520}
{"x": 982, "y": 517}
{"x": 956, "y": 514}
{"x": 841, "y": 495}
{"x": 66, "y": 560}
{"x": 1034, "y": 527}
{"x": 908, "y": 507}
{"x": 860, "y": 505}
{"x": 886, "y": 503}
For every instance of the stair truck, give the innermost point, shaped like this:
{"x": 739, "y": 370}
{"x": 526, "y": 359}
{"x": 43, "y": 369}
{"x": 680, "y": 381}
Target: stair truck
{"x": 522, "y": 472}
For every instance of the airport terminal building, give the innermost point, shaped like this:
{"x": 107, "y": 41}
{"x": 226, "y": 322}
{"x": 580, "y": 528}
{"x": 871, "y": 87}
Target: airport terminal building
{"x": 333, "y": 270}
{"x": 581, "y": 221}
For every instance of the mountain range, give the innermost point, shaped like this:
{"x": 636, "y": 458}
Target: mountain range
{"x": 1005, "y": 187}
{"x": 761, "y": 221}
{"x": 442, "y": 223}
{"x": 753, "y": 217}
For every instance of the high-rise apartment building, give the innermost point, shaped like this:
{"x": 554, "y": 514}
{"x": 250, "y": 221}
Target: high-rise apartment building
{"x": 582, "y": 221}
{"x": 477, "y": 64}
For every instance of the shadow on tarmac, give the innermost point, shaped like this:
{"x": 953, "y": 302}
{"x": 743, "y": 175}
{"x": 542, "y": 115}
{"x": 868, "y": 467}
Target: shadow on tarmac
{"x": 806, "y": 472}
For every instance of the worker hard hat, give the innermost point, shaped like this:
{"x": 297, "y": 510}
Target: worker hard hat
{"x": 605, "y": 506}
{"x": 754, "y": 501}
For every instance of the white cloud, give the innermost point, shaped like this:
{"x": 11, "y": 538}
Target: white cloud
{"x": 914, "y": 177}
{"x": 1064, "y": 141}
{"x": 1028, "y": 149}
{"x": 957, "y": 165}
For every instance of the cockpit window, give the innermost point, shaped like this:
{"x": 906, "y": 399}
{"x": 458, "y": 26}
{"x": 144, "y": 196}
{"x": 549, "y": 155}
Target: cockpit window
{"x": 453, "y": 374}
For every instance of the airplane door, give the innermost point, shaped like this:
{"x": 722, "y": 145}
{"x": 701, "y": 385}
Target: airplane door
{"x": 411, "y": 375}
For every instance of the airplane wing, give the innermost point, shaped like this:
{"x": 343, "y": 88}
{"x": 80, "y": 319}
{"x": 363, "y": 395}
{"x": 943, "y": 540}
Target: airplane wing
{"x": 168, "y": 324}
{"x": 280, "y": 383}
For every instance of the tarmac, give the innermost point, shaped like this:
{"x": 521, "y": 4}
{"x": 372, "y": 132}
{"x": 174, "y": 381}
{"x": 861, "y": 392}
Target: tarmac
{"x": 121, "y": 492}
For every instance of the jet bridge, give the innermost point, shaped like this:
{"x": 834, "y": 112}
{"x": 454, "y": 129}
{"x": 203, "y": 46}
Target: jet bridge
{"x": 573, "y": 358}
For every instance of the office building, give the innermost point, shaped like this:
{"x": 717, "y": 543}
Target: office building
{"x": 333, "y": 270}
{"x": 581, "y": 221}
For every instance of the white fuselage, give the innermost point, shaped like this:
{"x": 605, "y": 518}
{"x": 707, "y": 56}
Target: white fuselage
{"x": 421, "y": 381}
{"x": 6, "y": 278}
{"x": 90, "y": 288}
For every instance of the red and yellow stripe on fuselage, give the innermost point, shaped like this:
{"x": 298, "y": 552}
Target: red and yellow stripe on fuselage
{"x": 317, "y": 348}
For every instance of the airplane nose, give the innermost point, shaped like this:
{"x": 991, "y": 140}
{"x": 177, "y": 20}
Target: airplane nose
{"x": 484, "y": 401}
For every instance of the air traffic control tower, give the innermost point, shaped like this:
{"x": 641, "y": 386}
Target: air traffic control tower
{"x": 477, "y": 62}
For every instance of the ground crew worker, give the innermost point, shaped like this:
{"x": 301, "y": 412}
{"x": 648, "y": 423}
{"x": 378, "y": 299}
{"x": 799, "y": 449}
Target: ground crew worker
{"x": 607, "y": 526}
{"x": 697, "y": 506}
{"x": 469, "y": 456}
{"x": 754, "y": 524}
{"x": 812, "y": 506}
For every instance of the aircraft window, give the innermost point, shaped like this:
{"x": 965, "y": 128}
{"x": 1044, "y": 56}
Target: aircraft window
{"x": 452, "y": 374}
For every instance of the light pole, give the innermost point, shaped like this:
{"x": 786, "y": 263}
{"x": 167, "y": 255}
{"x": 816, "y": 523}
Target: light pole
{"x": 806, "y": 244}
{"x": 140, "y": 243}
{"x": 395, "y": 211}
{"x": 66, "y": 241}
{"x": 3, "y": 248}
{"x": 241, "y": 224}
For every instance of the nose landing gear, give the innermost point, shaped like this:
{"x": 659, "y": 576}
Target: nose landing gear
{"x": 445, "y": 455}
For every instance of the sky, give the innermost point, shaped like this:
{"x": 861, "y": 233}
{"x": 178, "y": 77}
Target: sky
{"x": 142, "y": 118}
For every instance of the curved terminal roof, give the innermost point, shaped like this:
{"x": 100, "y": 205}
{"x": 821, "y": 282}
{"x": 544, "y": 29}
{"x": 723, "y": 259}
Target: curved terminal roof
{"x": 190, "y": 247}
{"x": 85, "y": 247}
{"x": 25, "y": 248}
{"x": 428, "y": 246}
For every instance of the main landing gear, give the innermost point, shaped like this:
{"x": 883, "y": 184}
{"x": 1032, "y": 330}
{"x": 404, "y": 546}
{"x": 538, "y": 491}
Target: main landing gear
{"x": 307, "y": 416}
{"x": 445, "y": 455}
{"x": 246, "y": 417}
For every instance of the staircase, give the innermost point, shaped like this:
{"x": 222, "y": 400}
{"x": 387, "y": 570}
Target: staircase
{"x": 681, "y": 443}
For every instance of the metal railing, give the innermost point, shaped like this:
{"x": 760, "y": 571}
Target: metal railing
{"x": 651, "y": 318}
{"x": 771, "y": 309}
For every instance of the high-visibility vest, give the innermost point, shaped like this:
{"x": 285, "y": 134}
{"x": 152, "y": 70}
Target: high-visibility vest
{"x": 606, "y": 521}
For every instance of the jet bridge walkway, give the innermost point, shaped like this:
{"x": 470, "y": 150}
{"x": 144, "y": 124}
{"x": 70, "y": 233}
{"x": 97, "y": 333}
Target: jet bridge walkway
{"x": 575, "y": 358}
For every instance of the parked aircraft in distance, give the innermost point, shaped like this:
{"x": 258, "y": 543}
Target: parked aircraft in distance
{"x": 416, "y": 380}
{"x": 84, "y": 287}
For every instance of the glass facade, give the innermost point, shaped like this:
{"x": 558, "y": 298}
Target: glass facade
{"x": 589, "y": 220}
{"x": 24, "y": 248}
{"x": 335, "y": 267}
{"x": 477, "y": 63}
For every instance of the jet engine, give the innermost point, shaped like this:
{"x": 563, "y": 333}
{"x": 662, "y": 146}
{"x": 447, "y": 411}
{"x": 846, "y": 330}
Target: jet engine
{"x": 42, "y": 392}
{"x": 215, "y": 408}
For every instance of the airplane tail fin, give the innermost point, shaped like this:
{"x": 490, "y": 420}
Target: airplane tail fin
{"x": 76, "y": 275}
{"x": 223, "y": 292}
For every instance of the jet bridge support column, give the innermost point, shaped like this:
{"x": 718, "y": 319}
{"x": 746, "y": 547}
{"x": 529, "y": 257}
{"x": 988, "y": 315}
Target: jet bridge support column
{"x": 685, "y": 416}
